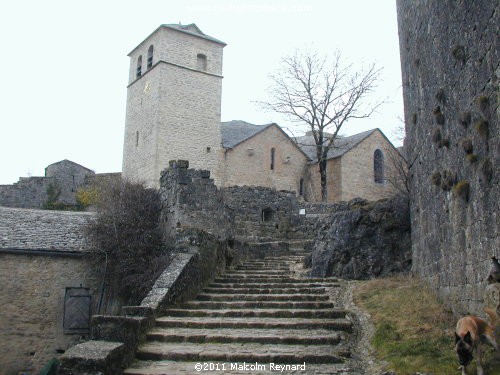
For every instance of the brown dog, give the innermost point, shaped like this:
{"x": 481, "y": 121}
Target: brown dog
{"x": 471, "y": 331}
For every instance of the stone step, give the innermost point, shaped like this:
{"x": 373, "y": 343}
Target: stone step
{"x": 267, "y": 263}
{"x": 232, "y": 276}
{"x": 250, "y": 267}
{"x": 259, "y": 313}
{"x": 228, "y": 289}
{"x": 288, "y": 278}
{"x": 259, "y": 270}
{"x": 234, "y": 283}
{"x": 263, "y": 336}
{"x": 166, "y": 367}
{"x": 268, "y": 323}
{"x": 262, "y": 297}
{"x": 285, "y": 258}
{"x": 250, "y": 352}
{"x": 268, "y": 272}
{"x": 225, "y": 305}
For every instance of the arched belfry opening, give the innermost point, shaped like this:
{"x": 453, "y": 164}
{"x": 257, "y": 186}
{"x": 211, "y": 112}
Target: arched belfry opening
{"x": 138, "y": 71}
{"x": 150, "y": 57}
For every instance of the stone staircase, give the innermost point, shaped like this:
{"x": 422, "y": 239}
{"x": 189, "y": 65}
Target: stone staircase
{"x": 261, "y": 313}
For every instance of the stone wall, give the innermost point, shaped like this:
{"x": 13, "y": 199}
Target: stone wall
{"x": 333, "y": 181}
{"x": 358, "y": 178}
{"x": 64, "y": 178}
{"x": 244, "y": 213}
{"x": 69, "y": 177}
{"x": 352, "y": 174}
{"x": 249, "y": 163}
{"x": 28, "y": 192}
{"x": 191, "y": 200}
{"x": 41, "y": 254}
{"x": 262, "y": 214}
{"x": 450, "y": 69}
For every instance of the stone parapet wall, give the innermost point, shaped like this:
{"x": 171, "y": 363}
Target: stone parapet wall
{"x": 450, "y": 69}
{"x": 191, "y": 200}
{"x": 28, "y": 192}
{"x": 64, "y": 178}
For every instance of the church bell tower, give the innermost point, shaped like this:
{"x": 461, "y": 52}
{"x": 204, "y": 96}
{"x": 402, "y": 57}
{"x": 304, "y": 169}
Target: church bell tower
{"x": 173, "y": 103}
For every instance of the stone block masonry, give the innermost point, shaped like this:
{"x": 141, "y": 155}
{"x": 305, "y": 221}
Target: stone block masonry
{"x": 41, "y": 254}
{"x": 173, "y": 107}
{"x": 450, "y": 67}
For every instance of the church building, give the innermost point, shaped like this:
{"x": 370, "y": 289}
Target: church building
{"x": 174, "y": 112}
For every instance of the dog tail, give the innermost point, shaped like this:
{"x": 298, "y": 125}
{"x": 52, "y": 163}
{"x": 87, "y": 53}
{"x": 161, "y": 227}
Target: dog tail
{"x": 493, "y": 316}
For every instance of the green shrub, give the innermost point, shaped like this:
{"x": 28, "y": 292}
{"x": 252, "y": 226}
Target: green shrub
{"x": 482, "y": 101}
{"x": 458, "y": 52}
{"x": 447, "y": 180}
{"x": 472, "y": 158}
{"x": 466, "y": 144}
{"x": 481, "y": 127}
{"x": 465, "y": 118}
{"x": 486, "y": 169}
{"x": 436, "y": 178}
{"x": 436, "y": 135}
{"x": 86, "y": 197}
{"x": 462, "y": 190}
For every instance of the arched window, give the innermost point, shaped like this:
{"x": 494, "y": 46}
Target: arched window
{"x": 138, "y": 71}
{"x": 301, "y": 187}
{"x": 150, "y": 57}
{"x": 273, "y": 151}
{"x": 201, "y": 60}
{"x": 137, "y": 138}
{"x": 378, "y": 166}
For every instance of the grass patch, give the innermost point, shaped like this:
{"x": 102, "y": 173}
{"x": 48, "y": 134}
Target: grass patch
{"x": 413, "y": 331}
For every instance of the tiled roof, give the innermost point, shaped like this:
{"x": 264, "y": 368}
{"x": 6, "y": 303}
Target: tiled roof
{"x": 30, "y": 229}
{"x": 340, "y": 145}
{"x": 236, "y": 131}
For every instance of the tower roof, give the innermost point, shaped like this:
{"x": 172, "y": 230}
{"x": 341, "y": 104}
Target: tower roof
{"x": 193, "y": 30}
{"x": 190, "y": 29}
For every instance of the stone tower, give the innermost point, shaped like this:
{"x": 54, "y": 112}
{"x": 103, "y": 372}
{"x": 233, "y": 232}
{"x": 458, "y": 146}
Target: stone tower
{"x": 450, "y": 67}
{"x": 173, "y": 103}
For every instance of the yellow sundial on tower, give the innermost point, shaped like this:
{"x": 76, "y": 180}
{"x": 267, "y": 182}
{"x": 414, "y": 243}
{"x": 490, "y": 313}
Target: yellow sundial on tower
{"x": 147, "y": 87}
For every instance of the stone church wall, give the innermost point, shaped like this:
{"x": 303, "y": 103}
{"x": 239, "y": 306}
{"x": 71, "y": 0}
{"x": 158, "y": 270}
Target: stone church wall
{"x": 358, "y": 178}
{"x": 249, "y": 163}
{"x": 450, "y": 69}
{"x": 352, "y": 175}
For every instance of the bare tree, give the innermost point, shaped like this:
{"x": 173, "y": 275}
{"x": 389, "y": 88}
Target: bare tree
{"x": 400, "y": 164}
{"x": 322, "y": 95}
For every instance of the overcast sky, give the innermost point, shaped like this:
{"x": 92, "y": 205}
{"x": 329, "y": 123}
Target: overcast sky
{"x": 65, "y": 66}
